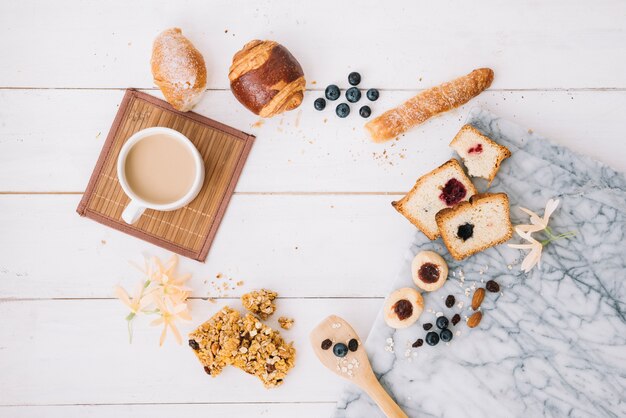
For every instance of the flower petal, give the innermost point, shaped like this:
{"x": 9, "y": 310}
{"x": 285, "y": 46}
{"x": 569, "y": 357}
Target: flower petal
{"x": 550, "y": 208}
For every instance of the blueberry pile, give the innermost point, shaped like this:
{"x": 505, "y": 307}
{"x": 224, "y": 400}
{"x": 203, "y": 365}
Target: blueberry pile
{"x": 353, "y": 95}
{"x": 442, "y": 323}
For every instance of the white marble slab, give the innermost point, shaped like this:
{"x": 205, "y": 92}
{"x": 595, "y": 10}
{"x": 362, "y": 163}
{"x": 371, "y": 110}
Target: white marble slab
{"x": 552, "y": 343}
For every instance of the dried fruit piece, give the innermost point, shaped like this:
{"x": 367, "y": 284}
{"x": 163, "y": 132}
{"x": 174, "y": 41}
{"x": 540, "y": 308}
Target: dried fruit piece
{"x": 477, "y": 299}
{"x": 418, "y": 343}
{"x": 427, "y": 326}
{"x": 353, "y": 344}
{"x": 493, "y": 286}
{"x": 474, "y": 320}
{"x": 450, "y": 301}
{"x": 326, "y": 344}
{"x": 455, "y": 319}
{"x": 194, "y": 344}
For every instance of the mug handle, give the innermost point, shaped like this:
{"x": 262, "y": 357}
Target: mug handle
{"x": 132, "y": 212}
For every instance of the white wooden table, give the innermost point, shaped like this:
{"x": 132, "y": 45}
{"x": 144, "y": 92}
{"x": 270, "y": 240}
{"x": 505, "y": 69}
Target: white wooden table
{"x": 311, "y": 216}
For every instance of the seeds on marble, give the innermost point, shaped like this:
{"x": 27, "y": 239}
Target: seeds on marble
{"x": 477, "y": 299}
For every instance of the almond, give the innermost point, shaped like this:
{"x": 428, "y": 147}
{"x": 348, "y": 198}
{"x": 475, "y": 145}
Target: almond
{"x": 474, "y": 320}
{"x": 478, "y": 297}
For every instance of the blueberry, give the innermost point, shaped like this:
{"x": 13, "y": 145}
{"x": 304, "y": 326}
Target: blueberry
{"x": 343, "y": 110}
{"x": 340, "y": 350}
{"x": 353, "y": 344}
{"x": 442, "y": 322}
{"x": 365, "y": 111}
{"x": 353, "y": 94}
{"x": 332, "y": 92}
{"x": 446, "y": 335}
{"x": 432, "y": 338}
{"x": 372, "y": 94}
{"x": 319, "y": 104}
{"x": 354, "y": 78}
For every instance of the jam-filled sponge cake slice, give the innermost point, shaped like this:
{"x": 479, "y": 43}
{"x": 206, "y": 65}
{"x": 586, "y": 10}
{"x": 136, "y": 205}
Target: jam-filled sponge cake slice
{"x": 476, "y": 225}
{"x": 480, "y": 154}
{"x": 442, "y": 188}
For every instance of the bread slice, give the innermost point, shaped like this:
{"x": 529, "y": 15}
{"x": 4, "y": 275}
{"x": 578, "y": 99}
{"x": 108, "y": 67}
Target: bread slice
{"x": 432, "y": 192}
{"x": 476, "y": 225}
{"x": 480, "y": 154}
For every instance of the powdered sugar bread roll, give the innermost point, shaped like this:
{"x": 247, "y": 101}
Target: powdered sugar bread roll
{"x": 178, "y": 69}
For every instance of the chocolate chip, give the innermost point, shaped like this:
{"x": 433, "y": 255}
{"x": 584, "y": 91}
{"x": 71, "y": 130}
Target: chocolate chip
{"x": 492, "y": 286}
{"x": 450, "y": 301}
{"x": 194, "y": 344}
{"x": 427, "y": 326}
{"x": 455, "y": 319}
{"x": 326, "y": 344}
{"x": 353, "y": 344}
{"x": 417, "y": 343}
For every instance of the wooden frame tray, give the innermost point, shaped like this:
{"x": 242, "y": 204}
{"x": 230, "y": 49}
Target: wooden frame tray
{"x": 188, "y": 231}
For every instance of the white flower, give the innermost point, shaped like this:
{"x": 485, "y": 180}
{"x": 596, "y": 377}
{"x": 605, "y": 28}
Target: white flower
{"x": 536, "y": 223}
{"x": 534, "y": 256}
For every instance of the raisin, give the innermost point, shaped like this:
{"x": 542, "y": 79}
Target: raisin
{"x": 207, "y": 370}
{"x": 455, "y": 319}
{"x": 476, "y": 149}
{"x": 453, "y": 192}
{"x": 270, "y": 368}
{"x": 417, "y": 343}
{"x": 492, "y": 286}
{"x": 427, "y": 326}
{"x": 465, "y": 231}
{"x": 450, "y": 301}
{"x": 353, "y": 344}
{"x": 194, "y": 344}
{"x": 428, "y": 273}
{"x": 403, "y": 308}
{"x": 326, "y": 344}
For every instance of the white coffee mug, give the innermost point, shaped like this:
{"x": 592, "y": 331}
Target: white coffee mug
{"x": 137, "y": 205}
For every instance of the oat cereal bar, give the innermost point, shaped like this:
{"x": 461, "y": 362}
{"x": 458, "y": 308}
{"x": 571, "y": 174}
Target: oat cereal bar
{"x": 244, "y": 342}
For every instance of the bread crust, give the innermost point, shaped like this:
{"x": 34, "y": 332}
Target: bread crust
{"x": 399, "y": 205}
{"x": 502, "y": 155}
{"x": 266, "y": 78}
{"x": 178, "y": 69}
{"x": 445, "y": 214}
{"x": 429, "y": 103}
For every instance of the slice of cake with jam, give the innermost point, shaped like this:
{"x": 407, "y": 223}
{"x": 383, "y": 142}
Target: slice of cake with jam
{"x": 481, "y": 155}
{"x": 476, "y": 225}
{"x": 444, "y": 187}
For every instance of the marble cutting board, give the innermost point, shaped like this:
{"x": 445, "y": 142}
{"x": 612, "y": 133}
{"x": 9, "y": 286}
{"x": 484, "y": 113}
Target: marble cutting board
{"x": 552, "y": 342}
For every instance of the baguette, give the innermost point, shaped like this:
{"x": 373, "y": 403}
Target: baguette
{"x": 429, "y": 103}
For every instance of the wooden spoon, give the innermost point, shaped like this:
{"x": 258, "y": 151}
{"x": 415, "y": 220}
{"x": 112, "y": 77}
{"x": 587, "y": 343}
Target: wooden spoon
{"x": 354, "y": 366}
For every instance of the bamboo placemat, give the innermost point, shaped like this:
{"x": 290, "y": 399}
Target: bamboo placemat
{"x": 188, "y": 231}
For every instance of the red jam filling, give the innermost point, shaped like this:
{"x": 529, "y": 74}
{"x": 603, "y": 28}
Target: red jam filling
{"x": 403, "y": 309}
{"x": 428, "y": 273}
{"x": 453, "y": 192}
{"x": 476, "y": 149}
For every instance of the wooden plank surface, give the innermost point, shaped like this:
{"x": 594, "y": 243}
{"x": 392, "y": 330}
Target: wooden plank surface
{"x": 311, "y": 216}
{"x": 530, "y": 44}
{"x": 297, "y": 152}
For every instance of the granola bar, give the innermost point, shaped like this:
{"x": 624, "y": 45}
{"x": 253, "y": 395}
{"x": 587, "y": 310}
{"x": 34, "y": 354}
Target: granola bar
{"x": 260, "y": 302}
{"x": 244, "y": 342}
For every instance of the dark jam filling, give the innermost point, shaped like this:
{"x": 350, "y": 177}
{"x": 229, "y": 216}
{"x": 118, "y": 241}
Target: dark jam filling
{"x": 476, "y": 149}
{"x": 403, "y": 308}
{"x": 465, "y": 231}
{"x": 428, "y": 273}
{"x": 453, "y": 192}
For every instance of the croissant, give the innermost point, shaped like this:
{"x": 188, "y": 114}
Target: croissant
{"x": 266, "y": 78}
{"x": 178, "y": 69}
